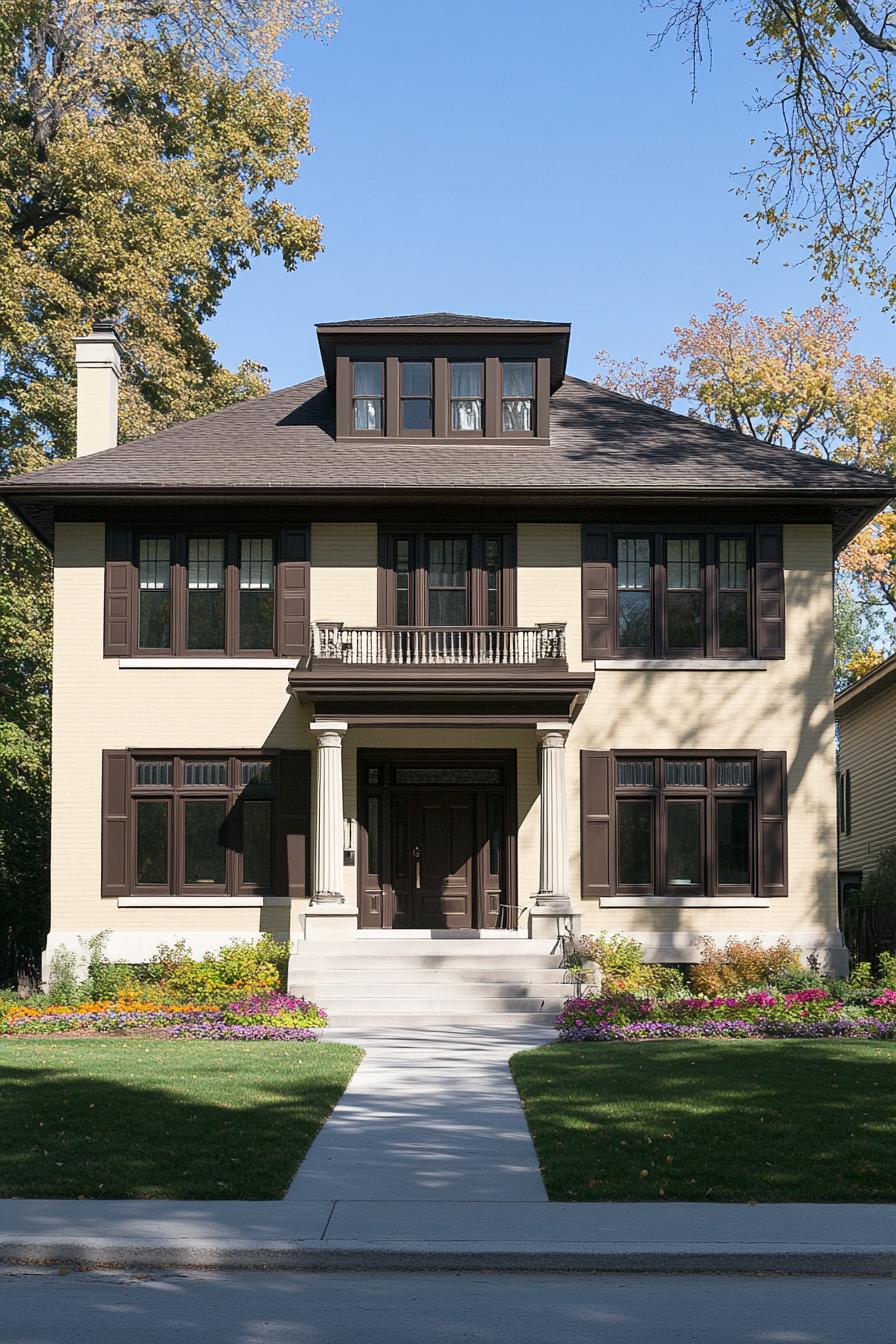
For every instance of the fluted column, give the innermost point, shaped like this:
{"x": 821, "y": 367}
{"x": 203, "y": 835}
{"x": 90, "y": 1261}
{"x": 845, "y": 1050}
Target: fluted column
{"x": 553, "y": 867}
{"x": 328, "y": 816}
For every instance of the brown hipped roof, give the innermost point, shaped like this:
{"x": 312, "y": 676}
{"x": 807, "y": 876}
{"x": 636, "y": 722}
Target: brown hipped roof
{"x": 602, "y": 444}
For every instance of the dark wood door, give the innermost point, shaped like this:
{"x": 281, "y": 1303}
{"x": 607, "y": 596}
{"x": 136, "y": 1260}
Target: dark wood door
{"x": 433, "y": 885}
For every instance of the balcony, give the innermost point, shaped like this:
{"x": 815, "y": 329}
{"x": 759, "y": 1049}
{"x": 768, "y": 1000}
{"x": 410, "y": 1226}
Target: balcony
{"x": 416, "y": 675}
{"x": 441, "y": 646}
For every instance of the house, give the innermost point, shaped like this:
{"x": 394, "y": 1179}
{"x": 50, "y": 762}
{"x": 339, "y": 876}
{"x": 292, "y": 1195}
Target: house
{"x": 866, "y": 780}
{"x": 443, "y": 641}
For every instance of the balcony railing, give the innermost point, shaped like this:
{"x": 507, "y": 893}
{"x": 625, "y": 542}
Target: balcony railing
{"x": 441, "y": 646}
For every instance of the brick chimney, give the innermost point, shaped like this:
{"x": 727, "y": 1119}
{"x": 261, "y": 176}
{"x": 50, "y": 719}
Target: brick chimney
{"x": 98, "y": 362}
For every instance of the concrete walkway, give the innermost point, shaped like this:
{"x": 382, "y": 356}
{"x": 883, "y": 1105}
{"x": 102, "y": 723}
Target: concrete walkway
{"x": 430, "y": 1115}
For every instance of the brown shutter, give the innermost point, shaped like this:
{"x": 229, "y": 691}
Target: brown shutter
{"x": 116, "y": 790}
{"x": 594, "y": 783}
{"x": 769, "y": 592}
{"x": 294, "y": 823}
{"x": 597, "y": 588}
{"x": 293, "y": 596}
{"x": 772, "y": 795}
{"x": 118, "y": 599}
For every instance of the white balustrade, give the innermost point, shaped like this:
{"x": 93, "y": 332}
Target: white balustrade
{"x": 440, "y": 646}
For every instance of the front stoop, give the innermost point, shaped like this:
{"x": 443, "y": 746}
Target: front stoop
{"x": 389, "y": 981}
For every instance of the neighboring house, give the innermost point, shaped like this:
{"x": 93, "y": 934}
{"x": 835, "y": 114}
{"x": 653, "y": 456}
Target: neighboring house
{"x": 441, "y": 640}
{"x": 866, "y": 778}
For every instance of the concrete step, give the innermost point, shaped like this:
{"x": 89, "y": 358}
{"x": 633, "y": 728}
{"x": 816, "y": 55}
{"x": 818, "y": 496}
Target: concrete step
{"x": 362, "y": 1020}
{"x": 332, "y": 964}
{"x": 439, "y": 976}
{"x": 444, "y": 1003}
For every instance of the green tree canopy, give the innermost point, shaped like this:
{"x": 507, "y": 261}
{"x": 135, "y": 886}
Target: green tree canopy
{"x": 142, "y": 147}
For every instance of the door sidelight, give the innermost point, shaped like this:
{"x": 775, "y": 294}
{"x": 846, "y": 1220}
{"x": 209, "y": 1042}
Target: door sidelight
{"x": 416, "y": 853}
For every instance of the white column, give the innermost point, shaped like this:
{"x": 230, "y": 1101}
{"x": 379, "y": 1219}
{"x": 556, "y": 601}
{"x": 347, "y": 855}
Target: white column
{"x": 553, "y": 867}
{"x": 328, "y": 820}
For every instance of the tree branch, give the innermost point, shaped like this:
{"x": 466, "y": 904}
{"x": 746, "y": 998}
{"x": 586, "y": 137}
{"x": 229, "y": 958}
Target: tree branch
{"x": 864, "y": 33}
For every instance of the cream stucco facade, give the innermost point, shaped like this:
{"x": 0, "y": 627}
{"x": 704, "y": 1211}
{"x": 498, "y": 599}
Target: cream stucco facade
{"x": 110, "y": 703}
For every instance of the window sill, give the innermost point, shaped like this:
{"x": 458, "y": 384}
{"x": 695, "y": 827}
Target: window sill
{"x": 680, "y": 665}
{"x": 199, "y": 902}
{"x": 205, "y": 664}
{"x": 684, "y": 902}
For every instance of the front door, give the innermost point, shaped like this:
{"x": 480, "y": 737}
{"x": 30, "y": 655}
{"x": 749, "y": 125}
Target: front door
{"x": 433, "y": 847}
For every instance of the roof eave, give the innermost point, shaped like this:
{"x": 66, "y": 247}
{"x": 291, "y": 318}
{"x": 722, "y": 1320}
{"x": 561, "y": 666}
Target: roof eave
{"x": 869, "y": 685}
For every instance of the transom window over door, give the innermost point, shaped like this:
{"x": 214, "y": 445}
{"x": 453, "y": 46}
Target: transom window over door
{"x": 447, "y": 579}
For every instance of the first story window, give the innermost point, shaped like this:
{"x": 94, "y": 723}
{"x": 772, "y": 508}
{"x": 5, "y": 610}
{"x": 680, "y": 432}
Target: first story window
{"x": 685, "y": 825}
{"x": 205, "y": 823}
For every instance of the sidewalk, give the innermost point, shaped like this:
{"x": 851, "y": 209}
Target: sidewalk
{"x": 426, "y": 1163}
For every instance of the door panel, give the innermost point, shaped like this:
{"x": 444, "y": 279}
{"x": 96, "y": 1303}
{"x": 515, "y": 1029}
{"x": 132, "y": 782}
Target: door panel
{"x": 443, "y": 832}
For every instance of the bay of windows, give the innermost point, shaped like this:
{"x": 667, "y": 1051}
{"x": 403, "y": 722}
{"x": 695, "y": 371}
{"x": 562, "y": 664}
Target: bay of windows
{"x": 447, "y": 579}
{"x": 685, "y": 825}
{"x": 484, "y": 396}
{"x": 682, "y": 596}
{"x": 206, "y": 593}
{"x": 202, "y": 825}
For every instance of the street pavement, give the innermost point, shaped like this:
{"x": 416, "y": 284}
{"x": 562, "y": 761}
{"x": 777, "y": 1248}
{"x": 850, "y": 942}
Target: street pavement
{"x": 49, "y": 1307}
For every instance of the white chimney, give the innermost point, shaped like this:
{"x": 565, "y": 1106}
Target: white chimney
{"x": 98, "y": 362}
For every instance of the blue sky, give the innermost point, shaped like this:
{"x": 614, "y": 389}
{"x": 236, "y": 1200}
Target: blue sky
{"x": 518, "y": 159}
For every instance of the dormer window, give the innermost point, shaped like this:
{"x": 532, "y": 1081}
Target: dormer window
{"x": 367, "y": 395}
{"x": 416, "y": 395}
{"x": 517, "y": 396}
{"x": 467, "y": 390}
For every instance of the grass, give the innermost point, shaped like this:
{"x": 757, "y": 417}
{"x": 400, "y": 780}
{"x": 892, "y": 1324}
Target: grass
{"x": 713, "y": 1120}
{"x": 155, "y": 1119}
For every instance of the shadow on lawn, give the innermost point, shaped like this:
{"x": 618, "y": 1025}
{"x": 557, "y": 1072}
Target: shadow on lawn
{"x": 162, "y": 1124}
{"x": 730, "y": 1120}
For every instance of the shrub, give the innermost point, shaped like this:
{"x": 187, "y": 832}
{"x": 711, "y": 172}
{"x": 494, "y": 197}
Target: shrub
{"x": 620, "y": 961}
{"x": 881, "y": 884}
{"x": 277, "y": 1010}
{"x": 240, "y": 968}
{"x": 63, "y": 985}
{"x": 741, "y": 964}
{"x": 887, "y": 970}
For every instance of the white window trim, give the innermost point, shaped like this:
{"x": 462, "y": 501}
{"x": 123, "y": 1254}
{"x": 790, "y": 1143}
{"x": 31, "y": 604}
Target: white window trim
{"x": 200, "y": 902}
{"x": 680, "y": 665}
{"x": 685, "y": 902}
{"x": 205, "y": 664}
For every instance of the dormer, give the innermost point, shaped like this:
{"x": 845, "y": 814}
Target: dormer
{"x": 446, "y": 377}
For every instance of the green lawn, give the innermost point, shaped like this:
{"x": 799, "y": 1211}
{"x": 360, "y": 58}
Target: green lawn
{"x": 154, "y": 1119}
{"x": 713, "y": 1120}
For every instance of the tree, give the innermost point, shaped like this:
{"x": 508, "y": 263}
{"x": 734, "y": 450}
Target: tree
{"x": 792, "y": 380}
{"x": 142, "y": 145}
{"x": 826, "y": 171}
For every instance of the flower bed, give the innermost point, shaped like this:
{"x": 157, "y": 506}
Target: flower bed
{"x": 808, "y": 1014}
{"x": 277, "y": 1017}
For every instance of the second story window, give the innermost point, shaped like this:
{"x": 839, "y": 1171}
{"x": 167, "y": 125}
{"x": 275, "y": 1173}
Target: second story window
{"x": 467, "y": 390}
{"x": 367, "y": 395}
{"x": 227, "y": 594}
{"x": 446, "y": 579}
{"x": 416, "y": 396}
{"x": 154, "y": 587}
{"x": 517, "y": 396}
{"x": 205, "y": 593}
{"x": 683, "y": 593}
